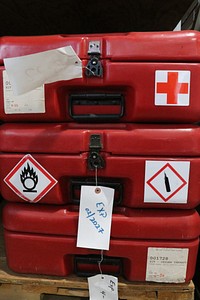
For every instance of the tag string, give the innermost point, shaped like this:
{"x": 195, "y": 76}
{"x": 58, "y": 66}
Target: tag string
{"x": 100, "y": 261}
{"x": 85, "y": 67}
{"x": 96, "y": 176}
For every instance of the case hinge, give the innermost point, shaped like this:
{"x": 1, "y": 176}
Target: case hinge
{"x": 94, "y": 66}
{"x": 95, "y": 160}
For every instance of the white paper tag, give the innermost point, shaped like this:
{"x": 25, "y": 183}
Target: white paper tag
{"x": 95, "y": 215}
{"x": 103, "y": 287}
{"x": 28, "y": 103}
{"x": 31, "y": 71}
{"x": 167, "y": 264}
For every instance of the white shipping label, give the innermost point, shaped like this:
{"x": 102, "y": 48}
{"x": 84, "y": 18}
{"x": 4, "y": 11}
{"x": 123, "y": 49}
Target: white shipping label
{"x": 167, "y": 264}
{"x": 32, "y": 71}
{"x": 28, "y": 103}
{"x": 95, "y": 216}
{"x": 166, "y": 181}
{"x": 29, "y": 180}
{"x": 103, "y": 287}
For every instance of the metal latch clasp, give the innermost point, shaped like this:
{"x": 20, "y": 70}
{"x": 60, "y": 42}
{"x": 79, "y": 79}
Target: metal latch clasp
{"x": 94, "y": 66}
{"x": 95, "y": 160}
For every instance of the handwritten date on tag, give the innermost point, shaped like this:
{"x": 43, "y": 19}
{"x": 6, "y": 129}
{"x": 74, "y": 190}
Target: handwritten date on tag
{"x": 103, "y": 287}
{"x": 95, "y": 216}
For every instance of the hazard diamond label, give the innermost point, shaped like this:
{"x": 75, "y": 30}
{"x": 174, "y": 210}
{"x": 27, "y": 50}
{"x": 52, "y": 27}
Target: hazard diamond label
{"x": 172, "y": 88}
{"x": 166, "y": 181}
{"x": 29, "y": 180}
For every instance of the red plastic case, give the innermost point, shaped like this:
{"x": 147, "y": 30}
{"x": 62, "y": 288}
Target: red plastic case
{"x": 42, "y": 240}
{"x": 148, "y": 165}
{"x": 145, "y": 77}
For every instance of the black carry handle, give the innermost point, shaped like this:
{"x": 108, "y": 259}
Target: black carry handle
{"x": 88, "y": 265}
{"x": 98, "y": 101}
{"x": 75, "y": 187}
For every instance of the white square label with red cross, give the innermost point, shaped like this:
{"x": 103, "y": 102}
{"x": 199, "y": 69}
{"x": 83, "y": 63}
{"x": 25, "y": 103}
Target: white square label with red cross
{"x": 172, "y": 88}
{"x": 166, "y": 181}
{"x": 29, "y": 180}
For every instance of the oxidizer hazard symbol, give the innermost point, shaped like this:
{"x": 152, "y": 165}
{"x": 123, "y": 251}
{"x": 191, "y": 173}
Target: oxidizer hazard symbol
{"x": 29, "y": 180}
{"x": 166, "y": 181}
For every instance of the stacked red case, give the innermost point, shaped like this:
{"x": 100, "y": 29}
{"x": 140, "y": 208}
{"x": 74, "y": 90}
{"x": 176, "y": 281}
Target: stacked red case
{"x": 61, "y": 156}
{"x": 44, "y": 242}
{"x": 129, "y": 77}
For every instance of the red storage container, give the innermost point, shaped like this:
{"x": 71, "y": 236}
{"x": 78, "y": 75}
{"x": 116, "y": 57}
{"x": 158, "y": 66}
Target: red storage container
{"x": 127, "y": 77}
{"x": 150, "y": 165}
{"x": 42, "y": 240}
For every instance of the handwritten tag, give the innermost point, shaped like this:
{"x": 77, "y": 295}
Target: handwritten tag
{"x": 103, "y": 287}
{"x": 32, "y": 71}
{"x": 95, "y": 215}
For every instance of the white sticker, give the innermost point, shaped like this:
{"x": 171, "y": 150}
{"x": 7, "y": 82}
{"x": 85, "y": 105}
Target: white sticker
{"x": 178, "y": 26}
{"x": 28, "y": 103}
{"x": 31, "y": 71}
{"x": 29, "y": 180}
{"x": 103, "y": 287}
{"x": 166, "y": 181}
{"x": 95, "y": 216}
{"x": 167, "y": 264}
{"x": 172, "y": 88}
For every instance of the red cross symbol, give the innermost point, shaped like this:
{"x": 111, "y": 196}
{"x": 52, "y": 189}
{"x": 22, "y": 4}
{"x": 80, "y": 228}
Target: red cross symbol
{"x": 172, "y": 88}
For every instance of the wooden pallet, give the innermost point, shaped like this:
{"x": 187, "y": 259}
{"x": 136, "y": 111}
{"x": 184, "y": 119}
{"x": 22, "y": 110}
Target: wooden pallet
{"x": 23, "y": 287}
{"x": 14, "y": 287}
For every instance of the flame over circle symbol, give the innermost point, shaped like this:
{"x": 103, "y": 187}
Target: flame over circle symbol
{"x": 29, "y": 179}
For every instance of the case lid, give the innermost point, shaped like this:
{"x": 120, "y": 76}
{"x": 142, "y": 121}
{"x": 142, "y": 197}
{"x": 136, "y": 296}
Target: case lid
{"x": 116, "y": 139}
{"x": 126, "y": 223}
{"x": 132, "y": 46}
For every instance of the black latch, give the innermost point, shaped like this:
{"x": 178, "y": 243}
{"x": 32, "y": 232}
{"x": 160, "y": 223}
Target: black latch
{"x": 94, "y": 66}
{"x": 95, "y": 160}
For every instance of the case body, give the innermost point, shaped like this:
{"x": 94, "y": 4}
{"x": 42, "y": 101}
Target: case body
{"x": 129, "y": 77}
{"x": 42, "y": 240}
{"x": 148, "y": 165}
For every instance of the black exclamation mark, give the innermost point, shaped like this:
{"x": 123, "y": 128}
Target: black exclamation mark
{"x": 167, "y": 185}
